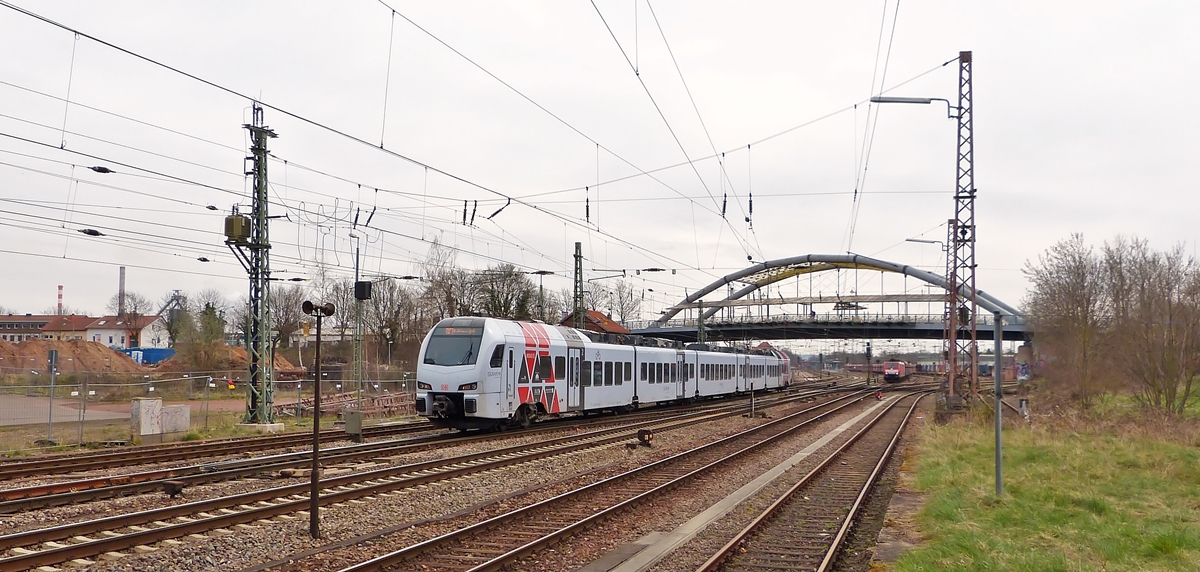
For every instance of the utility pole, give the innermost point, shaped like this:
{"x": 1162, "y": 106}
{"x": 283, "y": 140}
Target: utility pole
{"x": 249, "y": 240}
{"x": 580, "y": 311}
{"x": 362, "y": 291}
{"x": 961, "y": 334}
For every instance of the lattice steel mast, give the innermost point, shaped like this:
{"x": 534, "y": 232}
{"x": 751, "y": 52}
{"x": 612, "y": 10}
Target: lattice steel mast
{"x": 961, "y": 335}
{"x": 249, "y": 240}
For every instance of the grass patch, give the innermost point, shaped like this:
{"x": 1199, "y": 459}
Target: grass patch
{"x": 1074, "y": 501}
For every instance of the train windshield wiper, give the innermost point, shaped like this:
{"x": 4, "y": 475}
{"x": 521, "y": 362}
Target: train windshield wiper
{"x": 467, "y": 358}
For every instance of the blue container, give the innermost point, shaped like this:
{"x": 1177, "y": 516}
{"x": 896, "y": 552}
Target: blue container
{"x": 149, "y": 356}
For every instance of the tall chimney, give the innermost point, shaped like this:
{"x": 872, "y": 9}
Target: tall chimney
{"x": 121, "y": 295}
{"x": 60, "y": 299}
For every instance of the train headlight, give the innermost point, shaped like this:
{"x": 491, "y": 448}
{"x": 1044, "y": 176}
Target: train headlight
{"x": 469, "y": 386}
{"x": 423, "y": 385}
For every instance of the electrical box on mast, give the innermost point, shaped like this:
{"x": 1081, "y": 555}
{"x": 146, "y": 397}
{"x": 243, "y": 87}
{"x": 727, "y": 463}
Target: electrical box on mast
{"x": 237, "y": 228}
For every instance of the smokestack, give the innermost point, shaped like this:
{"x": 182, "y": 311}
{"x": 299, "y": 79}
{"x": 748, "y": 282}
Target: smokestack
{"x": 60, "y": 299}
{"x": 121, "y": 295}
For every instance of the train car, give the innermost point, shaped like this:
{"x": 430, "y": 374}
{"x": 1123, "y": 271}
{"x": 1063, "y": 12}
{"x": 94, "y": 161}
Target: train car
{"x": 894, "y": 371}
{"x": 487, "y": 373}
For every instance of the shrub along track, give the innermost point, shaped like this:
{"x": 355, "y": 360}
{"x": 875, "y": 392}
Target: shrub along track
{"x": 71, "y": 541}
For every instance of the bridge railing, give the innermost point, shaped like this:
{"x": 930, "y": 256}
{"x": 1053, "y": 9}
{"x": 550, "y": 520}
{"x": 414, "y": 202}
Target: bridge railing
{"x": 833, "y": 319}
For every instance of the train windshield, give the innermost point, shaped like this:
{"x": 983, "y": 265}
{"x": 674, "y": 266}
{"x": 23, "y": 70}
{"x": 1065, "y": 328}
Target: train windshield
{"x": 450, "y": 345}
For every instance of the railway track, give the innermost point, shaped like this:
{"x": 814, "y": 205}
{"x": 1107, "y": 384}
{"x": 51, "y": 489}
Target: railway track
{"x": 804, "y": 528}
{"x": 74, "y": 463}
{"x": 105, "y": 536}
{"x": 502, "y": 540}
{"x": 21, "y": 499}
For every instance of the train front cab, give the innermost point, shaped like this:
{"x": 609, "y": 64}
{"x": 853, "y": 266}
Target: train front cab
{"x": 455, "y": 387}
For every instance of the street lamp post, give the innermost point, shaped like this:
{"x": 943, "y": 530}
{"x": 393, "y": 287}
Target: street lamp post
{"x": 314, "y": 505}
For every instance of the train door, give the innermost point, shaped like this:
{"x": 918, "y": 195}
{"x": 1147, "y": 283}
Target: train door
{"x": 680, "y": 375}
{"x": 573, "y": 359}
{"x": 746, "y": 370}
{"x": 510, "y": 376}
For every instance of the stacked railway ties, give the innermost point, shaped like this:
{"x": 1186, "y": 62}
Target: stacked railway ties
{"x": 517, "y": 530}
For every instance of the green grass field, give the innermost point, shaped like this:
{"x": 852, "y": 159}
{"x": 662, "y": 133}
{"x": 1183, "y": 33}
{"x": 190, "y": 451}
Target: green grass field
{"x": 1074, "y": 500}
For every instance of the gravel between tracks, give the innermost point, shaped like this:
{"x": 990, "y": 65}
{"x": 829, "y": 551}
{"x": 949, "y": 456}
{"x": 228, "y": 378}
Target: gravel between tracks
{"x": 680, "y": 505}
{"x": 250, "y": 547}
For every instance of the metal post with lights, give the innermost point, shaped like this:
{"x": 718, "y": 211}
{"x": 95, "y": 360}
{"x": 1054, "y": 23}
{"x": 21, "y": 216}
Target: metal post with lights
{"x": 314, "y": 493}
{"x": 961, "y": 334}
{"x": 249, "y": 240}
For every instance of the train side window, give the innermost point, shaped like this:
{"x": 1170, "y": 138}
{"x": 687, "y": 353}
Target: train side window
{"x": 674, "y": 372}
{"x": 658, "y": 372}
{"x": 691, "y": 370}
{"x": 608, "y": 373}
{"x": 598, "y": 373}
{"x": 543, "y": 368}
{"x": 586, "y": 373}
{"x": 643, "y": 371}
{"x": 497, "y": 357}
{"x": 628, "y": 371}
{"x": 560, "y": 367}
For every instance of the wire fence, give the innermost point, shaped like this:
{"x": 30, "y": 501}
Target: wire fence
{"x": 40, "y": 412}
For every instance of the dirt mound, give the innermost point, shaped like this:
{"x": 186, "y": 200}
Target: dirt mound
{"x": 73, "y": 356}
{"x": 234, "y": 359}
{"x": 8, "y": 357}
{"x": 283, "y": 368}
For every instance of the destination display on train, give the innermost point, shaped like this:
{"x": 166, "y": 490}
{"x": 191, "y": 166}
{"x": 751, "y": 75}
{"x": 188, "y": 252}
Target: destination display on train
{"x": 452, "y": 331}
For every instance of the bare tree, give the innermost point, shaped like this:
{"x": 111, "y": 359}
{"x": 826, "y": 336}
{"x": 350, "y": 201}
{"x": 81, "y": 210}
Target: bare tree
{"x": 1156, "y": 321}
{"x": 506, "y": 292}
{"x": 202, "y": 338}
{"x": 53, "y": 311}
{"x": 595, "y": 296}
{"x": 626, "y": 303}
{"x": 286, "y": 315}
{"x": 549, "y": 306}
{"x": 136, "y": 306}
{"x": 1069, "y": 306}
{"x": 450, "y": 290}
{"x": 394, "y": 313}
{"x": 239, "y": 319}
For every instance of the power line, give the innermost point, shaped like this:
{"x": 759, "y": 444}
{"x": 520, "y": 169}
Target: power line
{"x": 316, "y": 124}
{"x": 668, "y": 124}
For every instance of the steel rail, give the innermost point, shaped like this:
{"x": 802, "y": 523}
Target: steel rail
{"x": 72, "y": 492}
{"x": 274, "y": 502}
{"x": 559, "y": 532}
{"x": 738, "y": 541}
{"x": 159, "y": 453}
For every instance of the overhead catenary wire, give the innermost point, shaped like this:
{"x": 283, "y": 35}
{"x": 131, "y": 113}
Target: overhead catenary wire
{"x": 724, "y": 174}
{"x": 671, "y": 130}
{"x": 507, "y": 199}
{"x": 872, "y": 121}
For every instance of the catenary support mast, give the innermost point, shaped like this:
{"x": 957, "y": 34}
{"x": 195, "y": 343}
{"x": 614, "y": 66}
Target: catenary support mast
{"x": 260, "y": 390}
{"x": 962, "y": 351}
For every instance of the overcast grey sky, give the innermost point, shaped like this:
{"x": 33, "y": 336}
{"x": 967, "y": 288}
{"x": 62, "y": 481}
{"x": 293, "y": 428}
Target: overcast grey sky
{"x": 1080, "y": 114}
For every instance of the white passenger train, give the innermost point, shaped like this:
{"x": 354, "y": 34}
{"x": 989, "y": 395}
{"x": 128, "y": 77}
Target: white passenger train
{"x": 486, "y": 373}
